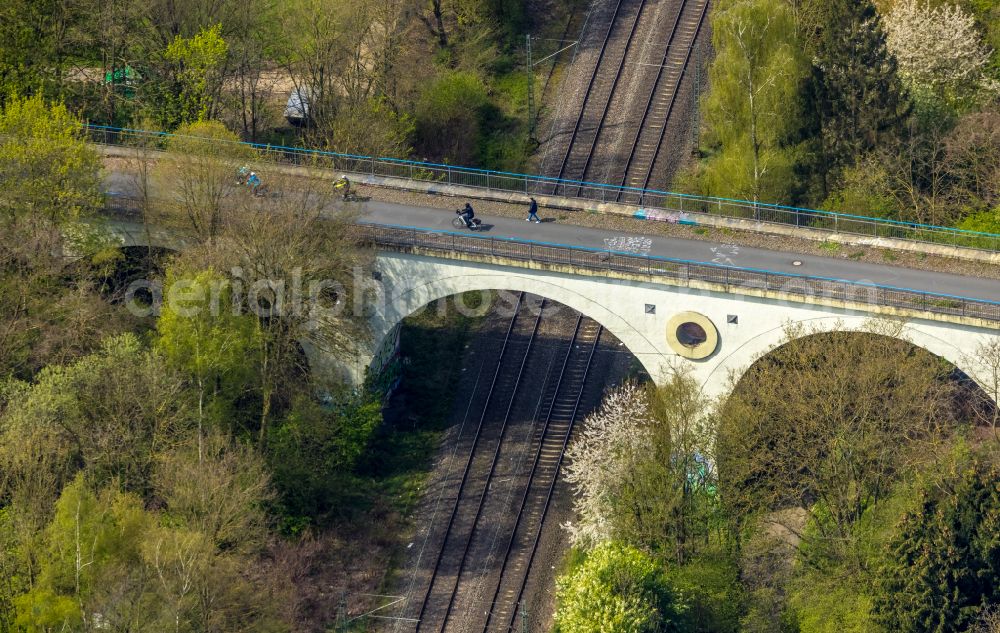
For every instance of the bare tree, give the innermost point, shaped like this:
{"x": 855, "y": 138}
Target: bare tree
{"x": 196, "y": 177}
{"x": 989, "y": 620}
{"x": 986, "y": 406}
{"x": 973, "y": 154}
{"x": 832, "y": 419}
{"x": 295, "y": 262}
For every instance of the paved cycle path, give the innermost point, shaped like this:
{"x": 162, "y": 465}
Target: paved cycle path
{"x": 691, "y": 250}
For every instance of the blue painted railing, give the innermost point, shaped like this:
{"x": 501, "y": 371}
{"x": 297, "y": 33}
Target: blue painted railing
{"x": 650, "y": 203}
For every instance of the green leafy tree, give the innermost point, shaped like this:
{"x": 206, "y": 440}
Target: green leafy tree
{"x": 983, "y": 222}
{"x": 38, "y": 38}
{"x": 207, "y": 336}
{"x": 51, "y": 183}
{"x": 832, "y": 600}
{"x": 315, "y": 449}
{"x": 45, "y": 165}
{"x": 449, "y": 116}
{"x": 20, "y": 64}
{"x": 88, "y": 539}
{"x": 752, "y": 111}
{"x": 617, "y": 589}
{"x": 107, "y": 562}
{"x": 198, "y": 64}
{"x": 372, "y": 128}
{"x": 105, "y": 414}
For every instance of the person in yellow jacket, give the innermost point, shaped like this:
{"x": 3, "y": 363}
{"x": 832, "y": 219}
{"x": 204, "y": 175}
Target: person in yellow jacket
{"x": 343, "y": 186}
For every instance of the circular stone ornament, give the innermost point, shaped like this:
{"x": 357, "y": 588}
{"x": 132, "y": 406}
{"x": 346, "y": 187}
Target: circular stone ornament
{"x": 692, "y": 335}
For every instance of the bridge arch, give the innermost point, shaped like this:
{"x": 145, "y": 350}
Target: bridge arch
{"x": 641, "y": 314}
{"x": 735, "y": 363}
{"x": 415, "y": 297}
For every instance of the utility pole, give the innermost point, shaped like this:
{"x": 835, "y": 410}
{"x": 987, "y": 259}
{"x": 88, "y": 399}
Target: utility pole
{"x": 530, "y": 64}
{"x": 531, "y": 87}
{"x": 696, "y": 98}
{"x": 341, "y": 618}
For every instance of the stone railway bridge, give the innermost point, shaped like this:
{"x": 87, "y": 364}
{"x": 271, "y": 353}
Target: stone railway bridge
{"x": 713, "y": 320}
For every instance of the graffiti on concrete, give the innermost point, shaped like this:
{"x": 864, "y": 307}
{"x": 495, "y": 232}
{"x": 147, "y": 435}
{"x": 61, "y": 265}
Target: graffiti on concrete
{"x": 660, "y": 215}
{"x": 629, "y": 244}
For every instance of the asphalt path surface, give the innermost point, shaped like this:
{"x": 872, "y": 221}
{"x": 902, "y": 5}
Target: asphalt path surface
{"x": 552, "y": 232}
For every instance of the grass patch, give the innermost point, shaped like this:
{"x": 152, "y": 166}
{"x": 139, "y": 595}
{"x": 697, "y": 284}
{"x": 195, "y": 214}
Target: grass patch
{"x": 889, "y": 256}
{"x": 701, "y": 231}
{"x": 829, "y": 247}
{"x": 857, "y": 255}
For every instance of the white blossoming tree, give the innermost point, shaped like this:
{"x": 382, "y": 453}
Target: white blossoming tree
{"x": 937, "y": 47}
{"x": 641, "y": 469}
{"x": 613, "y": 439}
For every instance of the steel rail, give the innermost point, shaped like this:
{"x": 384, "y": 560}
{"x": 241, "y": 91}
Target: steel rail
{"x": 533, "y": 471}
{"x": 673, "y": 99}
{"x": 611, "y": 92}
{"x": 555, "y": 479}
{"x": 468, "y": 465}
{"x": 493, "y": 465}
{"x": 465, "y": 418}
{"x": 653, "y": 92}
{"x": 590, "y": 85}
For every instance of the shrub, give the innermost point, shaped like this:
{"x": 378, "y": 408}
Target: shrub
{"x": 618, "y": 589}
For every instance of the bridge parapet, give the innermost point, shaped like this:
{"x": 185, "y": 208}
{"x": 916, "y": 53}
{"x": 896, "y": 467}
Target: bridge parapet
{"x": 870, "y": 297}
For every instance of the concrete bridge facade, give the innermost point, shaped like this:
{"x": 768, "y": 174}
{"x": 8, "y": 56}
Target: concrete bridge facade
{"x": 653, "y": 319}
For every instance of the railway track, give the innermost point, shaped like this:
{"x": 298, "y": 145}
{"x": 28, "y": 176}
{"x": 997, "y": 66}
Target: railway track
{"x": 648, "y": 141}
{"x": 630, "y": 161}
{"x": 480, "y": 466}
{"x": 600, "y": 89}
{"x": 555, "y": 432}
{"x": 510, "y": 474}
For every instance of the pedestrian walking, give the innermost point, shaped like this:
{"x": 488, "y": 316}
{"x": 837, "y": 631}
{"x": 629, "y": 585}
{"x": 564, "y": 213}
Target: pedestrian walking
{"x": 533, "y": 212}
